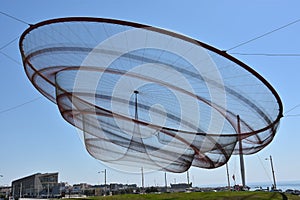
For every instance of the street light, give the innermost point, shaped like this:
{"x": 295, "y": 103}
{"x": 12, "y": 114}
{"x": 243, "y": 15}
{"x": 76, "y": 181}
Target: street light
{"x": 1, "y": 175}
{"x": 271, "y": 161}
{"x": 104, "y": 180}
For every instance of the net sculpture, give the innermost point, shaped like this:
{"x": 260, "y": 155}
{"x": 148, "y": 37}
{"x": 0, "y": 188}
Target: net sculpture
{"x": 148, "y": 97}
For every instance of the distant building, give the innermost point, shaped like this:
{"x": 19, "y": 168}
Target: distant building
{"x": 37, "y": 185}
{"x": 5, "y": 191}
{"x": 110, "y": 189}
{"x": 116, "y": 188}
{"x": 180, "y": 187}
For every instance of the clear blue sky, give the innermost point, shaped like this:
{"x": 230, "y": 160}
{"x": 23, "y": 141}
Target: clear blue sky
{"x": 35, "y": 138}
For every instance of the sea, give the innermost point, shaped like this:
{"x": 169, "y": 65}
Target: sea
{"x": 283, "y": 185}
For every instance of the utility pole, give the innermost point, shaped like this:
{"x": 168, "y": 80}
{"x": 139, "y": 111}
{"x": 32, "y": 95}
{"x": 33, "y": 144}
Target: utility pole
{"x": 142, "y": 179}
{"x": 105, "y": 181}
{"x": 188, "y": 177}
{"x": 166, "y": 186}
{"x": 1, "y": 176}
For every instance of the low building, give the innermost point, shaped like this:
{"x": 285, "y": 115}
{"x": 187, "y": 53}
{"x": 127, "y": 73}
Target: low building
{"x": 180, "y": 187}
{"x": 36, "y": 186}
{"x": 5, "y": 191}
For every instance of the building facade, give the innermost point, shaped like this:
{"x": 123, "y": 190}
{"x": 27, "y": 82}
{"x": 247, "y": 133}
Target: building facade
{"x": 36, "y": 185}
{"x": 5, "y": 191}
{"x": 180, "y": 187}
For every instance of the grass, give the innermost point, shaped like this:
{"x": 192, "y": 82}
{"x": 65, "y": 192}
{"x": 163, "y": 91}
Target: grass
{"x": 202, "y": 195}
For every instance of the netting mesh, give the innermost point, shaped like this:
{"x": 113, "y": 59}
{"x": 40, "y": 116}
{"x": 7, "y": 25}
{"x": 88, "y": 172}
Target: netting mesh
{"x": 148, "y": 97}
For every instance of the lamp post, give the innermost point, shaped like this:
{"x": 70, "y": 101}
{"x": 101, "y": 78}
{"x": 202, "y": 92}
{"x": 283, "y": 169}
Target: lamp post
{"x": 272, "y": 167}
{"x": 166, "y": 186}
{"x": 1, "y": 175}
{"x": 143, "y": 188}
{"x": 104, "y": 180}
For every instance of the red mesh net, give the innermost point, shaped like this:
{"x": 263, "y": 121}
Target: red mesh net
{"x": 147, "y": 97}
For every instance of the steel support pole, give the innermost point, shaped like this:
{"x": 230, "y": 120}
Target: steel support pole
{"x": 105, "y": 181}
{"x": 228, "y": 181}
{"x": 273, "y": 173}
{"x": 241, "y": 152}
{"x": 166, "y": 186}
{"x": 142, "y": 170}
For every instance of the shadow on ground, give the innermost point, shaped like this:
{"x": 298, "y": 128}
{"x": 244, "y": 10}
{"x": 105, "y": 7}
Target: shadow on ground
{"x": 284, "y": 197}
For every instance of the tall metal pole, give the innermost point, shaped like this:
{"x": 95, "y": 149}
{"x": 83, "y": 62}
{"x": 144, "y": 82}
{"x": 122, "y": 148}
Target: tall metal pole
{"x": 241, "y": 151}
{"x": 273, "y": 173}
{"x": 166, "y": 186}
{"x": 136, "y": 118}
{"x": 105, "y": 181}
{"x": 1, "y": 176}
{"x": 228, "y": 181}
{"x": 136, "y": 105}
{"x": 142, "y": 179}
{"x": 188, "y": 177}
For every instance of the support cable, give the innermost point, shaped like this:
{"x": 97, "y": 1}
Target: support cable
{"x": 15, "y": 18}
{"x": 9, "y": 43}
{"x": 268, "y": 54}
{"x": 6, "y": 55}
{"x": 10, "y": 58}
{"x": 265, "y": 170}
{"x": 20, "y": 105}
{"x": 265, "y": 34}
{"x": 293, "y": 108}
{"x": 292, "y": 115}
{"x": 296, "y": 115}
